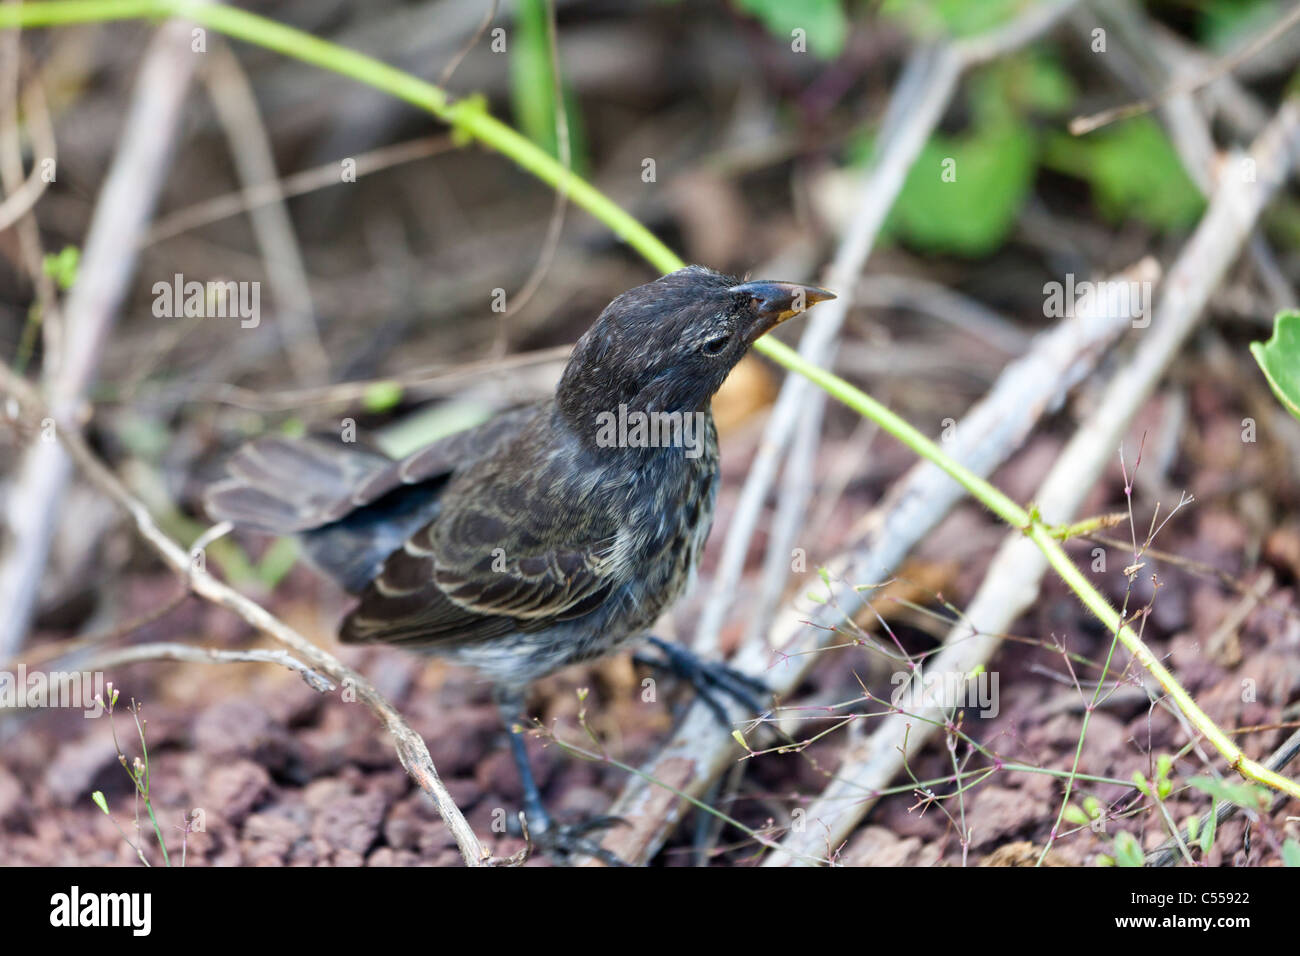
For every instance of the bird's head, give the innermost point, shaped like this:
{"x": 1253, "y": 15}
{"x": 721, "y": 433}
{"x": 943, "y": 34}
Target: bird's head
{"x": 666, "y": 346}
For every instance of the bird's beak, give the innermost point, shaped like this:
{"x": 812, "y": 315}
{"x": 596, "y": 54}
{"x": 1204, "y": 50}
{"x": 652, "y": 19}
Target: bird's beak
{"x": 774, "y": 302}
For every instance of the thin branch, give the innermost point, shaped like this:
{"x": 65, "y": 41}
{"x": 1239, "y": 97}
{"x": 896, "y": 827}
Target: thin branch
{"x": 44, "y": 148}
{"x": 167, "y": 651}
{"x": 298, "y": 184}
{"x": 1081, "y": 125}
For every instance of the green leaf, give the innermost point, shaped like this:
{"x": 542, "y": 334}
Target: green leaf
{"x": 1246, "y": 795}
{"x": 1279, "y": 359}
{"x": 963, "y": 194}
{"x": 1134, "y": 173}
{"x": 1076, "y": 816}
{"x": 1140, "y": 781}
{"x": 62, "y": 267}
{"x": 1031, "y": 81}
{"x": 1128, "y": 852}
{"x": 382, "y": 396}
{"x": 1291, "y": 853}
{"x": 928, "y": 18}
{"x": 1207, "y": 835}
{"x": 823, "y": 22}
{"x": 98, "y": 797}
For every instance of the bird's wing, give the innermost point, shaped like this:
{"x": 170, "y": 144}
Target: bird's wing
{"x": 287, "y": 485}
{"x": 490, "y": 564}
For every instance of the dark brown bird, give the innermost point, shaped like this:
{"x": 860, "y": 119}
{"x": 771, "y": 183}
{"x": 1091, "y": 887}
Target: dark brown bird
{"x": 549, "y": 535}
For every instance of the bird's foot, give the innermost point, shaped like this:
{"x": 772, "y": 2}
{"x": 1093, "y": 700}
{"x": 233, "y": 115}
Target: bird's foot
{"x": 709, "y": 678}
{"x": 564, "y": 843}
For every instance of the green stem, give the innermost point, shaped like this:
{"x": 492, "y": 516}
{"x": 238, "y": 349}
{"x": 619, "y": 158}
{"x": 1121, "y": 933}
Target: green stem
{"x": 470, "y": 117}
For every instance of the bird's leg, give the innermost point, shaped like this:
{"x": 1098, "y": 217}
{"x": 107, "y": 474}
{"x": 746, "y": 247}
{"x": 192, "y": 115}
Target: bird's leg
{"x": 560, "y": 842}
{"x": 708, "y": 678}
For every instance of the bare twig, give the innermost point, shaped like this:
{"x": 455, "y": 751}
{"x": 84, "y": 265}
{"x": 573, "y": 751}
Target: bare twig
{"x": 974, "y": 318}
{"x": 439, "y": 380}
{"x": 297, "y": 184}
{"x": 168, "y": 651}
{"x": 445, "y": 76}
{"x": 1086, "y": 124}
{"x": 44, "y": 148}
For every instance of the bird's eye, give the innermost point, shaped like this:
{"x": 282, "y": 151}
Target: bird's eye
{"x": 715, "y": 345}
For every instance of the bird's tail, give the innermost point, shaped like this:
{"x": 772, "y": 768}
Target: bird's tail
{"x": 350, "y": 506}
{"x": 285, "y": 485}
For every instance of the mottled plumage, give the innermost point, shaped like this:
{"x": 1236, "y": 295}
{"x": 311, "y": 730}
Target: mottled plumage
{"x": 531, "y": 542}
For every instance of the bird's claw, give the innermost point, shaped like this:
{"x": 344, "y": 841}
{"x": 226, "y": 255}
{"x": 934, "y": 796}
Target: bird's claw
{"x": 564, "y": 843}
{"x": 709, "y": 677}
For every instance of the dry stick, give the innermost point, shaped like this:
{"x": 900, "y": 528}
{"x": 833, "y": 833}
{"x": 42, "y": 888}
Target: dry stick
{"x": 1028, "y": 388}
{"x": 1086, "y": 124}
{"x": 411, "y": 749}
{"x": 445, "y": 76}
{"x": 918, "y": 103}
{"x": 1190, "y": 132}
{"x": 438, "y": 381}
{"x": 934, "y": 299}
{"x": 1012, "y": 581}
{"x": 297, "y": 184}
{"x": 250, "y": 148}
{"x": 69, "y": 650}
{"x": 22, "y": 197}
{"x": 168, "y": 651}
{"x": 138, "y": 172}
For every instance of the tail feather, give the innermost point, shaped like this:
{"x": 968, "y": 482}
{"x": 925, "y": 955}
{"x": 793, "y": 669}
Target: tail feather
{"x": 285, "y": 485}
{"x": 350, "y": 506}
